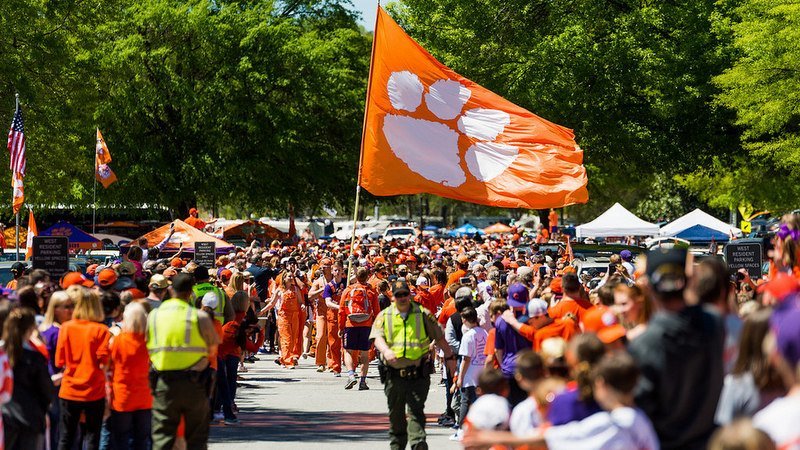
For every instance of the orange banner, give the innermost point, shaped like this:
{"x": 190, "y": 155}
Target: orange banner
{"x": 430, "y": 130}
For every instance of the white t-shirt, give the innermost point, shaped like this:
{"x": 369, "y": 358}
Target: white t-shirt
{"x": 780, "y": 421}
{"x": 473, "y": 342}
{"x": 621, "y": 429}
{"x": 525, "y": 418}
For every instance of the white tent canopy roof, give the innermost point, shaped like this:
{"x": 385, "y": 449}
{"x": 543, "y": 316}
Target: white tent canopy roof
{"x": 698, "y": 217}
{"x": 617, "y": 221}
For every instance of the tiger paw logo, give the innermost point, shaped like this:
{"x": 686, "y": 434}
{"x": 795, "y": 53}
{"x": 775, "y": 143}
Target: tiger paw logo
{"x": 430, "y": 148}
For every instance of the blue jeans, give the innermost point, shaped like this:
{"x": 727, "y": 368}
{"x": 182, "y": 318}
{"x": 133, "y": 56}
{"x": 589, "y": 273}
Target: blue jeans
{"x": 224, "y": 392}
{"x": 232, "y": 372}
{"x": 130, "y": 430}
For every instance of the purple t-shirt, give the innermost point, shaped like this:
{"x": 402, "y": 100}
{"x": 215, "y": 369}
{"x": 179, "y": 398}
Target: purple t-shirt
{"x": 50, "y": 337}
{"x": 567, "y": 407}
{"x": 510, "y": 342}
{"x": 332, "y": 288}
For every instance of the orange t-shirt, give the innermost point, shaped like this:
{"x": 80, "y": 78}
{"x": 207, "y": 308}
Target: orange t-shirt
{"x": 488, "y": 350}
{"x": 425, "y": 299}
{"x": 195, "y": 222}
{"x": 130, "y": 383}
{"x": 568, "y": 305}
{"x": 564, "y": 328}
{"x": 81, "y": 349}
{"x": 437, "y": 297}
{"x": 448, "y": 310}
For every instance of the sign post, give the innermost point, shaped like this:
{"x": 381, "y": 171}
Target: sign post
{"x": 205, "y": 254}
{"x": 745, "y": 255}
{"x": 51, "y": 253}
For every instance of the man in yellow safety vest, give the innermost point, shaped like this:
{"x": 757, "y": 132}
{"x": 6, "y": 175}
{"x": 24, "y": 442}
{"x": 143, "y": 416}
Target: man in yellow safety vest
{"x": 179, "y": 339}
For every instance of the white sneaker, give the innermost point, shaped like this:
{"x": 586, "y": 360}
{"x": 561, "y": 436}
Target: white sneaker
{"x": 458, "y": 436}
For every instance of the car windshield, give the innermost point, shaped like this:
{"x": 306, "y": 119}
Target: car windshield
{"x": 399, "y": 231}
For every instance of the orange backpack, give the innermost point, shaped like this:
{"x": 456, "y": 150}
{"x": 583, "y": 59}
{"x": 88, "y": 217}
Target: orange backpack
{"x": 358, "y": 304}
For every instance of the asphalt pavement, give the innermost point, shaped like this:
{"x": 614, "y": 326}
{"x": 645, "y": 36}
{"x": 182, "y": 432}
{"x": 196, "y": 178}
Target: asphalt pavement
{"x": 301, "y": 408}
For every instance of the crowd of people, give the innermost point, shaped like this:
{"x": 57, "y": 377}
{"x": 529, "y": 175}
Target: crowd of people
{"x": 663, "y": 352}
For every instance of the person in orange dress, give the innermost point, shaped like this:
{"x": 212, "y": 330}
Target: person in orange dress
{"x": 288, "y": 301}
{"x": 131, "y": 399}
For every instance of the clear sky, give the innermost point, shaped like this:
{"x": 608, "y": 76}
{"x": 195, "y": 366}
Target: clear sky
{"x": 367, "y": 8}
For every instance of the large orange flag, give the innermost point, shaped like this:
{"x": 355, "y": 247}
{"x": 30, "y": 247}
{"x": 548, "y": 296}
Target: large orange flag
{"x": 430, "y": 130}
{"x": 102, "y": 172}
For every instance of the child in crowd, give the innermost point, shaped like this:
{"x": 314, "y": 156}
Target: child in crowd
{"x": 471, "y": 352}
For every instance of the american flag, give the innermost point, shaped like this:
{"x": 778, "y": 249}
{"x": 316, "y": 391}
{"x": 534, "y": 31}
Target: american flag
{"x": 16, "y": 144}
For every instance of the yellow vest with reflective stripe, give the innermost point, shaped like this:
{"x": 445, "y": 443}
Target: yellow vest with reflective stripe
{"x": 202, "y": 289}
{"x": 173, "y": 336}
{"x": 406, "y": 337}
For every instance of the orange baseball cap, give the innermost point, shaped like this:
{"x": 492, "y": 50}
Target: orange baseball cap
{"x": 176, "y": 262}
{"x": 602, "y": 321}
{"x": 225, "y": 275}
{"x": 107, "y": 277}
{"x": 71, "y": 278}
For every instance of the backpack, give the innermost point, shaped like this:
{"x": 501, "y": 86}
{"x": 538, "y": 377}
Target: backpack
{"x": 358, "y": 304}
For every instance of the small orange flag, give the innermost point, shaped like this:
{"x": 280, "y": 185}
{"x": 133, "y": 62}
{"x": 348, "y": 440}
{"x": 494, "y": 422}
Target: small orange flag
{"x": 102, "y": 172}
{"x": 19, "y": 191}
{"x": 430, "y": 130}
{"x": 32, "y": 231}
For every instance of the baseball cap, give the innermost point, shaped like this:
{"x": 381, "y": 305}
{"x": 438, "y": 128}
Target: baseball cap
{"x": 517, "y": 295}
{"x": 225, "y": 275}
{"x": 463, "y": 293}
{"x": 781, "y": 286}
{"x": 176, "y": 262}
{"x": 71, "y": 278}
{"x": 107, "y": 277}
{"x": 422, "y": 281}
{"x": 192, "y": 211}
{"x": 489, "y": 412}
{"x": 603, "y": 322}
{"x": 666, "y": 269}
{"x": 537, "y": 307}
{"x": 400, "y": 287}
{"x": 136, "y": 294}
{"x": 462, "y": 259}
{"x": 210, "y": 299}
{"x": 402, "y": 268}
{"x": 158, "y": 281}
{"x": 18, "y": 267}
{"x": 126, "y": 269}
{"x": 626, "y": 255}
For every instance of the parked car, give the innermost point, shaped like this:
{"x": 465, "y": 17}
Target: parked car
{"x": 400, "y": 233}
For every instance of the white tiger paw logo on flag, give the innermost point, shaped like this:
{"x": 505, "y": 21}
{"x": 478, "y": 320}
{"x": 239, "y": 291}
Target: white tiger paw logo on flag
{"x": 431, "y": 148}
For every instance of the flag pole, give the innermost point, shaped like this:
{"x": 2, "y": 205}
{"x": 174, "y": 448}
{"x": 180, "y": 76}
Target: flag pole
{"x": 94, "y": 189}
{"x": 16, "y": 215}
{"x": 361, "y": 153}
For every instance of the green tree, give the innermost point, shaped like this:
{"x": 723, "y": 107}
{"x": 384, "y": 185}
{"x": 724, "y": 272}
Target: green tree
{"x": 763, "y": 87}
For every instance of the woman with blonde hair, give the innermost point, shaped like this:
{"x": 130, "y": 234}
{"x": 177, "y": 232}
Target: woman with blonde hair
{"x": 287, "y": 301}
{"x": 82, "y": 350}
{"x": 633, "y": 307}
{"x": 131, "y": 400}
{"x": 235, "y": 284}
{"x": 59, "y": 311}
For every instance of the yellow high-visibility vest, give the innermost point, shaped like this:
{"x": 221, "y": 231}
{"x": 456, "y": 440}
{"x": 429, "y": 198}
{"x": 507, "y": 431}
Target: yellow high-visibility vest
{"x": 173, "y": 336}
{"x": 406, "y": 337}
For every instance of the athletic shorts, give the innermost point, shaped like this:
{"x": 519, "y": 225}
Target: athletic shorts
{"x": 356, "y": 338}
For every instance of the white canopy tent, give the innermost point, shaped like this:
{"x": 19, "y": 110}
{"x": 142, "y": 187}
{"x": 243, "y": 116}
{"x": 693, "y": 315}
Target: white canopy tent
{"x": 698, "y": 217}
{"x": 617, "y": 222}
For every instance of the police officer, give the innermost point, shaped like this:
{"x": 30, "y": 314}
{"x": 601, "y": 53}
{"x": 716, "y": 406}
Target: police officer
{"x": 224, "y": 310}
{"x": 402, "y": 333}
{"x": 179, "y": 339}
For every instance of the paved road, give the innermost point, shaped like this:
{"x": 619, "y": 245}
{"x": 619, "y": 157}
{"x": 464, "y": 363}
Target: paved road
{"x": 301, "y": 408}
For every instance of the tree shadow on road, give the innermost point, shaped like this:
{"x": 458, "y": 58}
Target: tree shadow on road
{"x": 279, "y": 425}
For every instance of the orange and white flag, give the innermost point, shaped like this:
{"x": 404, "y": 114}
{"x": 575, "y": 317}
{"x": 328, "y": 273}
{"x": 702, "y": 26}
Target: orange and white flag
{"x": 32, "y": 231}
{"x": 102, "y": 172}
{"x": 19, "y": 191}
{"x": 430, "y": 130}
